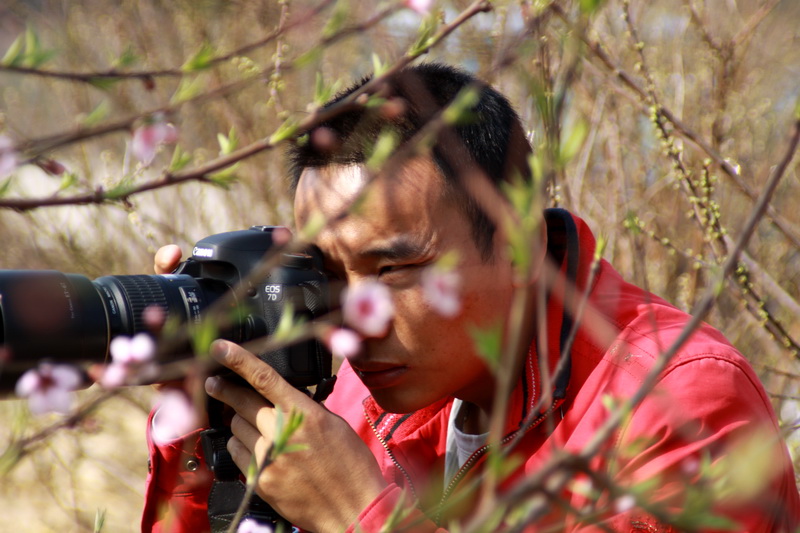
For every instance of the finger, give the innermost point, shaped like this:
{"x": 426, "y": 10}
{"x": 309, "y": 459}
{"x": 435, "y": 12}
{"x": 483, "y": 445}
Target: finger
{"x": 242, "y": 455}
{"x": 264, "y": 379}
{"x": 246, "y": 433}
{"x": 247, "y": 403}
{"x": 167, "y": 259}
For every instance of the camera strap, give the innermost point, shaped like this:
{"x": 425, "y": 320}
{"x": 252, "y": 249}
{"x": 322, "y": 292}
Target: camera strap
{"x": 228, "y": 490}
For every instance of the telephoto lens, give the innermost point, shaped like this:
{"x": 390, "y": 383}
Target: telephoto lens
{"x": 70, "y": 319}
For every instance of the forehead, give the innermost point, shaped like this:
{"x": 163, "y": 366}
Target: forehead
{"x": 413, "y": 190}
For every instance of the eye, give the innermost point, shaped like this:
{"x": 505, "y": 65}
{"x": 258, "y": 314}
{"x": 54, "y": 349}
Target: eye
{"x": 389, "y": 268}
{"x": 397, "y": 273}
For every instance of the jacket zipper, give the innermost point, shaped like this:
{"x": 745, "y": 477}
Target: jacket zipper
{"x": 391, "y": 455}
{"x": 477, "y": 454}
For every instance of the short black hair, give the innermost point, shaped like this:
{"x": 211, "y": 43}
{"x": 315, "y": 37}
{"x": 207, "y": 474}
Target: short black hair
{"x": 493, "y": 140}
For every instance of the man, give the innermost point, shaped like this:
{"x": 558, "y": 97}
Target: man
{"x": 402, "y": 440}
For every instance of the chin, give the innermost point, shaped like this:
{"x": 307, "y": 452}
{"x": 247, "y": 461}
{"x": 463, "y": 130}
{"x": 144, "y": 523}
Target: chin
{"x": 399, "y": 403}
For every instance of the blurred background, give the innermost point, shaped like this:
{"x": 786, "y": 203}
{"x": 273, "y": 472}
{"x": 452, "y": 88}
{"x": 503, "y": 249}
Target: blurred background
{"x": 592, "y": 80}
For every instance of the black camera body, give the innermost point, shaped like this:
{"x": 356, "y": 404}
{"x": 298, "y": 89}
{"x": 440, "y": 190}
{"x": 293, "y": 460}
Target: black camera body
{"x": 68, "y": 318}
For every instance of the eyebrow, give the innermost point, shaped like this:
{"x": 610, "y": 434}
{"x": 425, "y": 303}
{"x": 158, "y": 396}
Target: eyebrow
{"x": 397, "y": 249}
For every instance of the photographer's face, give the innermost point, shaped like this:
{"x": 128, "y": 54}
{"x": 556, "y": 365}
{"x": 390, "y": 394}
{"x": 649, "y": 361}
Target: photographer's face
{"x": 403, "y": 224}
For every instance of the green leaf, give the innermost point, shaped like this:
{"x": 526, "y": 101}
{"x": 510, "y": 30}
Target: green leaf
{"x": 13, "y": 56}
{"x": 252, "y": 470}
{"x": 600, "y": 247}
{"x": 290, "y": 326}
{"x": 97, "y": 114}
{"x": 400, "y": 512}
{"x": 31, "y": 42}
{"x": 228, "y": 144}
{"x": 180, "y": 159}
{"x": 382, "y": 149}
{"x": 225, "y": 177}
{"x": 308, "y": 58}
{"x": 316, "y": 223}
{"x": 68, "y": 180}
{"x": 10, "y": 459}
{"x": 489, "y": 343}
{"x": 103, "y": 82}
{"x": 121, "y": 190}
{"x": 284, "y": 131}
{"x": 461, "y": 110}
{"x": 203, "y": 335}
{"x": 425, "y": 35}
{"x": 336, "y": 20}
{"x": 378, "y": 66}
{"x": 590, "y": 6}
{"x": 34, "y": 55}
{"x": 609, "y": 402}
{"x": 572, "y": 141}
{"x": 5, "y": 187}
{"x": 99, "y": 520}
{"x": 632, "y": 223}
{"x": 322, "y": 92}
{"x": 201, "y": 60}
{"x": 126, "y": 59}
{"x": 284, "y": 429}
{"x": 187, "y": 89}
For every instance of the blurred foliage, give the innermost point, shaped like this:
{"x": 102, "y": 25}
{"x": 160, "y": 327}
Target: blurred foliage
{"x": 591, "y": 83}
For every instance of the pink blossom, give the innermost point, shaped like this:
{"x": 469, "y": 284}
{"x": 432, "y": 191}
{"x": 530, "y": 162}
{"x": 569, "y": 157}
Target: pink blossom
{"x": 624, "y": 503}
{"x": 49, "y": 388}
{"x": 441, "y": 288}
{"x": 423, "y": 7}
{"x": 9, "y": 159}
{"x": 281, "y": 236}
{"x": 147, "y": 139}
{"x": 130, "y": 356}
{"x": 690, "y": 465}
{"x": 154, "y": 317}
{"x": 175, "y": 416}
{"x": 368, "y": 308}
{"x": 248, "y": 525}
{"x": 344, "y": 342}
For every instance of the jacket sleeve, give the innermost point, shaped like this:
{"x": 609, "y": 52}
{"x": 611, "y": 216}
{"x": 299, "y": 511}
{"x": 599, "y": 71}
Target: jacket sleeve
{"x": 177, "y": 487}
{"x": 708, "y": 431}
{"x": 392, "y": 507}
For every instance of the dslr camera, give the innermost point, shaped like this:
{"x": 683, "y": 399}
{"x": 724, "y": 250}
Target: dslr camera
{"x": 68, "y": 318}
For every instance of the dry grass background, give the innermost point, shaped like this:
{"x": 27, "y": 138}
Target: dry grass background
{"x": 727, "y": 69}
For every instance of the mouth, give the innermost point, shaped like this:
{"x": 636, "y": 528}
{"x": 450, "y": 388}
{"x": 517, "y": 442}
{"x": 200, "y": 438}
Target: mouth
{"x": 381, "y": 376}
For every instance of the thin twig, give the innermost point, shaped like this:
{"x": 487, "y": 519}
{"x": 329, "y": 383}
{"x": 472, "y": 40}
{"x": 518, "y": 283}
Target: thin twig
{"x": 114, "y": 74}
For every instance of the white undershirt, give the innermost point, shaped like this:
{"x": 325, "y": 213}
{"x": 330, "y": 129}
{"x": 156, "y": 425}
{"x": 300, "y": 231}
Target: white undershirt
{"x": 460, "y": 446}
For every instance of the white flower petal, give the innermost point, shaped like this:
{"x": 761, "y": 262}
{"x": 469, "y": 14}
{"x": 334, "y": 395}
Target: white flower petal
{"x": 344, "y": 342}
{"x": 59, "y": 400}
{"x": 66, "y": 377}
{"x": 368, "y": 308}
{"x": 175, "y": 417}
{"x": 120, "y": 349}
{"x": 142, "y": 348}
{"x": 115, "y": 375}
{"x": 28, "y": 383}
{"x": 441, "y": 289}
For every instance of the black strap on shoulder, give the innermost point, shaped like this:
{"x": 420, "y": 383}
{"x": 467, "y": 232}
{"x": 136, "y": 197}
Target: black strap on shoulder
{"x": 563, "y": 245}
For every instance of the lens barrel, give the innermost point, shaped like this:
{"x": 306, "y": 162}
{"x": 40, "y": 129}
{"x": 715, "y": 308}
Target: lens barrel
{"x": 68, "y": 318}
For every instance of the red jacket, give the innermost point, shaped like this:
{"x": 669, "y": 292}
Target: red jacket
{"x": 707, "y": 413}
